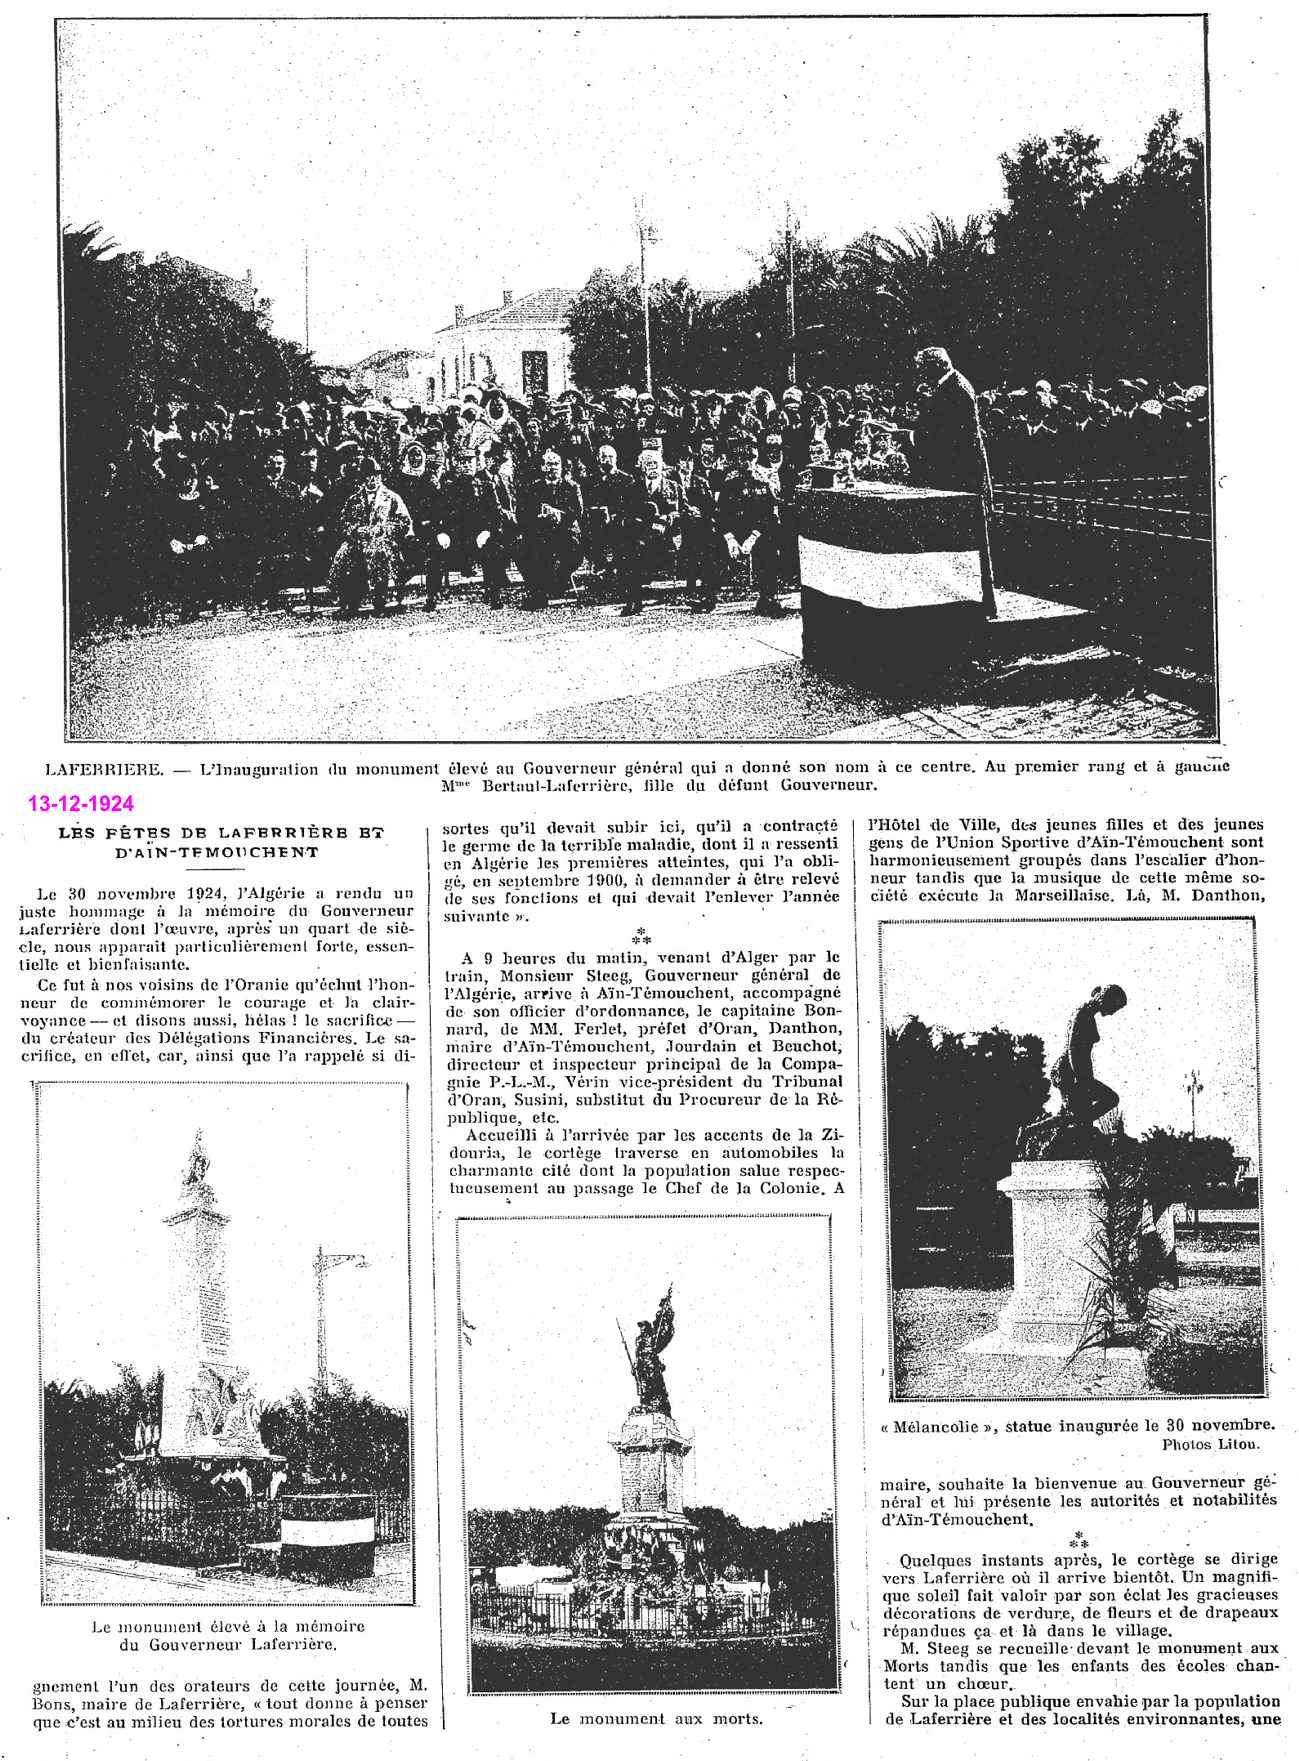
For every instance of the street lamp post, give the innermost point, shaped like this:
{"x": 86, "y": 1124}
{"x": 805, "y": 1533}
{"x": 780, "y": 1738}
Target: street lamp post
{"x": 789, "y": 294}
{"x": 324, "y": 1262}
{"x": 1193, "y": 1087}
{"x": 646, "y": 235}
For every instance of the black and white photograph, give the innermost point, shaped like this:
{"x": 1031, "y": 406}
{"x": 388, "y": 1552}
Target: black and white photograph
{"x": 225, "y": 1343}
{"x": 637, "y": 379}
{"x": 1074, "y": 1192}
{"x": 649, "y": 1456}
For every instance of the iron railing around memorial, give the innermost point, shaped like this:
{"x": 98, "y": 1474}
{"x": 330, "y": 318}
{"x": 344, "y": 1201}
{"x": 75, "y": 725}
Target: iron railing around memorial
{"x": 1136, "y": 551}
{"x": 1173, "y": 507}
{"x": 167, "y": 1527}
{"x": 525, "y": 1613}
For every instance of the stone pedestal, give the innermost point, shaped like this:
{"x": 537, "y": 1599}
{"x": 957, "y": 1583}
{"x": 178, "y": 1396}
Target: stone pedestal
{"x": 652, "y": 1454}
{"x": 1055, "y": 1228}
{"x": 651, "y": 1519}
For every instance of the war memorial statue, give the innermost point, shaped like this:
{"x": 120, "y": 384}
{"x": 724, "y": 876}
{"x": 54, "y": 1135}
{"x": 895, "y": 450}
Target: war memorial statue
{"x": 1072, "y": 1132}
{"x": 652, "y": 1339}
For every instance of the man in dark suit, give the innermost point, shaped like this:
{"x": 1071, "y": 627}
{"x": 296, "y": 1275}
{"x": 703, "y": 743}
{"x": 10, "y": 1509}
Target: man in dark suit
{"x": 606, "y": 496}
{"x": 550, "y": 521}
{"x": 652, "y": 513}
{"x": 947, "y": 449}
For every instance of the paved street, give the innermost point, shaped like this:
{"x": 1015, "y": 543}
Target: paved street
{"x": 88, "y": 1579}
{"x": 573, "y": 672}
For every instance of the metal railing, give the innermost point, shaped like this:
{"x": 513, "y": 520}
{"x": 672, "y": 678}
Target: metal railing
{"x": 525, "y": 1613}
{"x": 166, "y": 1527}
{"x": 1169, "y": 507}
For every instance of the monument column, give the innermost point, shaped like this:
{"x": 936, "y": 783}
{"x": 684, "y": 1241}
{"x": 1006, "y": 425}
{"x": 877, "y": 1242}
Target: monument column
{"x": 209, "y": 1409}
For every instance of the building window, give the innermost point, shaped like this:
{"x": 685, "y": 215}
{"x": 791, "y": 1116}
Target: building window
{"x": 536, "y": 373}
{"x": 457, "y": 375}
{"x": 444, "y": 376}
{"x": 473, "y": 367}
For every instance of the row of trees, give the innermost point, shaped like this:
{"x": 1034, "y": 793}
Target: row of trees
{"x": 800, "y": 1556}
{"x": 333, "y": 1434}
{"x": 1077, "y": 272}
{"x": 956, "y": 1106}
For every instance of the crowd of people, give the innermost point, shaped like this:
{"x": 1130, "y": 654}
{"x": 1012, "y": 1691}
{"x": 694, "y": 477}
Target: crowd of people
{"x": 205, "y": 506}
{"x": 1132, "y": 428}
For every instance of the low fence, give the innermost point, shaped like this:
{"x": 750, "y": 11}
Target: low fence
{"x": 523, "y": 1613}
{"x": 1144, "y": 507}
{"x": 1135, "y": 551}
{"x": 392, "y": 1516}
{"x": 167, "y": 1527}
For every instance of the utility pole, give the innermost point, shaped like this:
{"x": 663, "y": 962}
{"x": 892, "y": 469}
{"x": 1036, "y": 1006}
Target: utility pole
{"x": 789, "y": 293}
{"x": 646, "y": 235}
{"x": 306, "y": 296}
{"x": 323, "y": 1263}
{"x": 1193, "y": 1087}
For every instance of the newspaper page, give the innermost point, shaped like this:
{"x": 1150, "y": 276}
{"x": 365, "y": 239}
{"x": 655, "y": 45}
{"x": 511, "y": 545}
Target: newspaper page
{"x": 646, "y": 749}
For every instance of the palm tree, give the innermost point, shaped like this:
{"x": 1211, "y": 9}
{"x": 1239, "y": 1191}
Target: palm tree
{"x": 933, "y": 281}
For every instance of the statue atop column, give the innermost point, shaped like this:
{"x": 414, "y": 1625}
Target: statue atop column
{"x": 1084, "y": 1099}
{"x": 193, "y": 1184}
{"x": 652, "y": 1339}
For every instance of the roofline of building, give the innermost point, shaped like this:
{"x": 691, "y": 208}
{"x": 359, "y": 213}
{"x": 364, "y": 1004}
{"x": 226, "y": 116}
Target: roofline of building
{"x": 497, "y": 317}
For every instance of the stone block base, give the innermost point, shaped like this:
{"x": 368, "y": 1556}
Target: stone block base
{"x": 327, "y": 1536}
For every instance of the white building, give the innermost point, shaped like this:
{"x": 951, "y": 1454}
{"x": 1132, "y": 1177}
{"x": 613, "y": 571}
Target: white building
{"x": 397, "y": 376}
{"x": 522, "y": 345}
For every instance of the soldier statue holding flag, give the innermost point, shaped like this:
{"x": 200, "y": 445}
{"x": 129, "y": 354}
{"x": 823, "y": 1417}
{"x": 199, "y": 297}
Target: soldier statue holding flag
{"x": 653, "y": 1338}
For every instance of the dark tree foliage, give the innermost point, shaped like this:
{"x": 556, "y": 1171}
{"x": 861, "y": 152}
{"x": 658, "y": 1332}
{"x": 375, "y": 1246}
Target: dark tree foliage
{"x": 750, "y": 329}
{"x": 337, "y": 1437}
{"x": 1077, "y": 272}
{"x": 1049, "y": 244}
{"x": 135, "y": 333}
{"x": 605, "y": 325}
{"x": 1155, "y": 290}
{"x": 956, "y": 1104}
{"x": 89, "y": 1430}
{"x": 799, "y": 1557}
{"x": 1175, "y": 1167}
{"x": 932, "y": 284}
{"x": 534, "y": 1537}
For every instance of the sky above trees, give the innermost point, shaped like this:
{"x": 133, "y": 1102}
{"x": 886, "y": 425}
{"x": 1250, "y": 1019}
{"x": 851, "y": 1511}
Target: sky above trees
{"x": 427, "y": 163}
